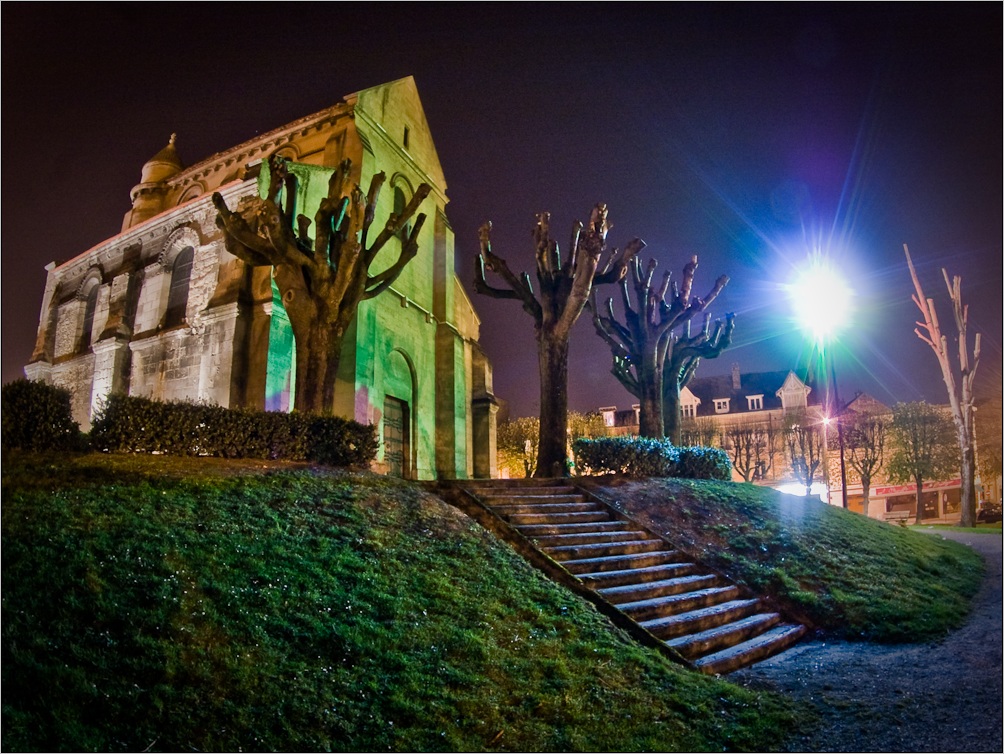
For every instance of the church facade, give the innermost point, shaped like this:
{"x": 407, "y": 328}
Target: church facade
{"x": 163, "y": 310}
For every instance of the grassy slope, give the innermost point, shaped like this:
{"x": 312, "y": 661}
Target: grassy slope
{"x": 207, "y": 605}
{"x": 849, "y": 575}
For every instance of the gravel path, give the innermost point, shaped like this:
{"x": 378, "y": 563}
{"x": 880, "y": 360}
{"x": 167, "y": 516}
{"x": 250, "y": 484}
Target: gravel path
{"x": 943, "y": 696}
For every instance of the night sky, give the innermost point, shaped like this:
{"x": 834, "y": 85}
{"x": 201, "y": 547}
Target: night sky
{"x": 745, "y": 134}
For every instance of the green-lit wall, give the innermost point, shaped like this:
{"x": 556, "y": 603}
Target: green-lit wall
{"x": 401, "y": 344}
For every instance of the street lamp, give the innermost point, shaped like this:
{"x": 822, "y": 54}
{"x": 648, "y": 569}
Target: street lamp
{"x": 821, "y": 301}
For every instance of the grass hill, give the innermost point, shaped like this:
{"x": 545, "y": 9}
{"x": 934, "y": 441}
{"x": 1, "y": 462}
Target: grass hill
{"x": 152, "y": 603}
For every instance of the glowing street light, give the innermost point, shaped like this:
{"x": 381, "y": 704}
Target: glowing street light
{"x": 822, "y": 307}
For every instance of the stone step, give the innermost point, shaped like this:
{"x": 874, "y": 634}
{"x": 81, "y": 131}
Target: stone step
{"x": 490, "y": 493}
{"x": 714, "y": 639}
{"x": 516, "y": 499}
{"x": 570, "y": 507}
{"x": 674, "y": 604}
{"x": 632, "y": 576}
{"x": 522, "y": 519}
{"x": 601, "y": 549}
{"x": 621, "y": 562}
{"x": 758, "y": 648}
{"x": 540, "y": 530}
{"x": 634, "y": 592}
{"x": 700, "y": 619}
{"x": 585, "y": 538}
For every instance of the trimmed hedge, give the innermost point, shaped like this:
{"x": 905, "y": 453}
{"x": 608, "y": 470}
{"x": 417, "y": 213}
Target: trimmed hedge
{"x": 645, "y": 456}
{"x": 139, "y": 425}
{"x": 37, "y": 416}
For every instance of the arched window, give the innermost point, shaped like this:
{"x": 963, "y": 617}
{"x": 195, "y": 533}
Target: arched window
{"x": 177, "y": 297}
{"x": 90, "y": 304}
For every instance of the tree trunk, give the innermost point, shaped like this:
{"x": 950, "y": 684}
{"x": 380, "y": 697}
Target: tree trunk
{"x": 650, "y": 423}
{"x": 671, "y": 413}
{"x": 318, "y": 352}
{"x": 552, "y": 452}
{"x": 866, "y": 483}
{"x": 968, "y": 486}
{"x": 920, "y": 499}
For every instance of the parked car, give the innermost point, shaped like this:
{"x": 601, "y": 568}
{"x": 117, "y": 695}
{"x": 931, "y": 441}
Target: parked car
{"x": 989, "y": 513}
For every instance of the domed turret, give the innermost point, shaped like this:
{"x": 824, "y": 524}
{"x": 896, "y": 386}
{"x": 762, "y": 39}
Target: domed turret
{"x": 148, "y": 195}
{"x": 162, "y": 165}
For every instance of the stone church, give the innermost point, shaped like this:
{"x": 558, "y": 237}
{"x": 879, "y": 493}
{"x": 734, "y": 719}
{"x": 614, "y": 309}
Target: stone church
{"x": 163, "y": 310}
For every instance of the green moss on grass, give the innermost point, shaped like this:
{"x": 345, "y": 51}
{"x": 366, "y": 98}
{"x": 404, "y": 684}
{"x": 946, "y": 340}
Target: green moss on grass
{"x": 179, "y": 604}
{"x": 851, "y": 576}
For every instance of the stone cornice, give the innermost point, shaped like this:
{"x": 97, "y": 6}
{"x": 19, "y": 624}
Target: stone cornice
{"x": 260, "y": 146}
{"x": 154, "y": 228}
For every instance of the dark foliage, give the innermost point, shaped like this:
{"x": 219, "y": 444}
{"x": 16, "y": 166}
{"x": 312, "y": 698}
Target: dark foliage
{"x": 645, "y": 456}
{"x": 138, "y": 425}
{"x": 37, "y": 416}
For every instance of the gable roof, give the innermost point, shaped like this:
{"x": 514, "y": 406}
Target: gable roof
{"x": 766, "y": 384}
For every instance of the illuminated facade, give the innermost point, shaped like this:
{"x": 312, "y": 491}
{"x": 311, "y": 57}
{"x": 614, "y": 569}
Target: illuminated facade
{"x": 163, "y": 310}
{"x": 712, "y": 405}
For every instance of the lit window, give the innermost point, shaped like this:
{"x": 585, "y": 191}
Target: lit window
{"x": 755, "y": 402}
{"x": 608, "y": 416}
{"x": 721, "y": 405}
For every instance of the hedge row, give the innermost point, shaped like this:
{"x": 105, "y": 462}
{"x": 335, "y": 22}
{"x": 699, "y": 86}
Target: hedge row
{"x": 37, "y": 416}
{"x": 139, "y": 425}
{"x": 643, "y": 456}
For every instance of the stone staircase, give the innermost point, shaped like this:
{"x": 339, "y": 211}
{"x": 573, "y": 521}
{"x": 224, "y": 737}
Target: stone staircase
{"x": 705, "y": 622}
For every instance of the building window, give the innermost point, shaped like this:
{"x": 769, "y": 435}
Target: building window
{"x": 721, "y": 405}
{"x": 608, "y": 415}
{"x": 177, "y": 297}
{"x": 407, "y": 133}
{"x": 754, "y": 402}
{"x": 688, "y": 410}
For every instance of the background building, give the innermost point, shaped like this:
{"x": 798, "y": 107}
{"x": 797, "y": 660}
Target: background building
{"x": 162, "y": 310}
{"x": 714, "y": 406}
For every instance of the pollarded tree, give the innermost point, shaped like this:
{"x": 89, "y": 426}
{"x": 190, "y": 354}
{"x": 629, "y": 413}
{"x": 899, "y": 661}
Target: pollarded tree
{"x": 565, "y": 287}
{"x": 960, "y": 392}
{"x": 864, "y": 442}
{"x": 685, "y": 354}
{"x": 805, "y": 448}
{"x": 645, "y": 345}
{"x": 321, "y": 280}
{"x": 923, "y": 447}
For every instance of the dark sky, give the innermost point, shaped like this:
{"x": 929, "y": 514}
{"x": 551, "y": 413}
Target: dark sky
{"x": 745, "y": 134}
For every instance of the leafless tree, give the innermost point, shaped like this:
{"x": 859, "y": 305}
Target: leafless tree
{"x": 805, "y": 448}
{"x": 565, "y": 287}
{"x": 960, "y": 391}
{"x": 752, "y": 446}
{"x": 698, "y": 431}
{"x": 321, "y": 280}
{"x": 865, "y": 447}
{"x": 645, "y": 344}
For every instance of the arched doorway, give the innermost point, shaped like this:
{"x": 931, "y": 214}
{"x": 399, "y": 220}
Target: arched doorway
{"x": 398, "y": 415}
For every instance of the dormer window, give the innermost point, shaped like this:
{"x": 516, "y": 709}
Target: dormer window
{"x": 608, "y": 415}
{"x": 688, "y": 410}
{"x": 754, "y": 402}
{"x": 721, "y": 405}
